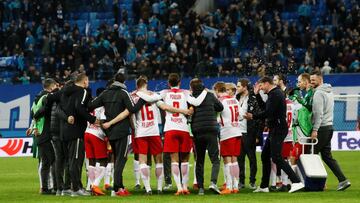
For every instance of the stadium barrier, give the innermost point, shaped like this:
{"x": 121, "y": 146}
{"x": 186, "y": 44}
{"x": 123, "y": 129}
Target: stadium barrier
{"x": 22, "y": 147}
{"x": 16, "y": 100}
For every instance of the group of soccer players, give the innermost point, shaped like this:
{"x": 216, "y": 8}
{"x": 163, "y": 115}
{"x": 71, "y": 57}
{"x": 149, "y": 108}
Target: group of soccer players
{"x": 177, "y": 106}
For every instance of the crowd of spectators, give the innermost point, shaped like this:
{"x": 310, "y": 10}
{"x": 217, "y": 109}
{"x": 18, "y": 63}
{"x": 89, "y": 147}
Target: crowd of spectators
{"x": 242, "y": 38}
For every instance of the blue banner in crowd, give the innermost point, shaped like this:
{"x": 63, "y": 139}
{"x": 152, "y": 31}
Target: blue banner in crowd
{"x": 16, "y": 100}
{"x": 7, "y": 61}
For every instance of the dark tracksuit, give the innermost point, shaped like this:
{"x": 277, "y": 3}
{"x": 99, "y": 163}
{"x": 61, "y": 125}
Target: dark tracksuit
{"x": 205, "y": 129}
{"x": 61, "y": 153}
{"x": 73, "y": 103}
{"x": 115, "y": 100}
{"x": 46, "y": 150}
{"x": 275, "y": 112}
{"x": 254, "y": 131}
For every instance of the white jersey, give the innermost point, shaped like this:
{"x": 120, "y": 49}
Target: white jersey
{"x": 99, "y": 113}
{"x": 289, "y": 119}
{"x": 229, "y": 118}
{"x": 176, "y": 98}
{"x": 146, "y": 122}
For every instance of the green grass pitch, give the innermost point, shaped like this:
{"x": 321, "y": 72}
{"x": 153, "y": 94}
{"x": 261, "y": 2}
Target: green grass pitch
{"x": 19, "y": 183}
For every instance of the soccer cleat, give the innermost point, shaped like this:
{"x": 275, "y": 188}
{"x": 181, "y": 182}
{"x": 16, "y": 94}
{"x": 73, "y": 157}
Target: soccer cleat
{"x": 235, "y": 191}
{"x": 259, "y": 189}
{"x": 66, "y": 192}
{"x": 121, "y": 192}
{"x": 149, "y": 193}
{"x": 137, "y": 187}
{"x": 273, "y": 188}
{"x": 223, "y": 187}
{"x": 107, "y": 187}
{"x": 213, "y": 187}
{"x": 80, "y": 192}
{"x": 178, "y": 193}
{"x": 283, "y": 188}
{"x": 195, "y": 186}
{"x": 252, "y": 186}
{"x": 46, "y": 192}
{"x": 127, "y": 191}
{"x": 58, "y": 193}
{"x": 242, "y": 186}
{"x": 343, "y": 185}
{"x": 296, "y": 187}
{"x": 201, "y": 191}
{"x": 97, "y": 191}
{"x": 186, "y": 192}
{"x": 167, "y": 187}
{"x": 159, "y": 192}
{"x": 226, "y": 192}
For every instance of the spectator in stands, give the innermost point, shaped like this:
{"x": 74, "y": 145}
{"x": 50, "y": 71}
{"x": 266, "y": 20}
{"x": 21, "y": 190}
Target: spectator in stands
{"x": 326, "y": 69}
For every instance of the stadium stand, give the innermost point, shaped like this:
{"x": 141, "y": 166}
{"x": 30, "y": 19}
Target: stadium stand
{"x": 155, "y": 37}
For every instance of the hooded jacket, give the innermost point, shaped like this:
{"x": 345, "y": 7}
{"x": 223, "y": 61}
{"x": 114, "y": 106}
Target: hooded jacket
{"x": 74, "y": 102}
{"x": 115, "y": 100}
{"x": 45, "y": 112}
{"x": 323, "y": 107}
{"x": 204, "y": 117}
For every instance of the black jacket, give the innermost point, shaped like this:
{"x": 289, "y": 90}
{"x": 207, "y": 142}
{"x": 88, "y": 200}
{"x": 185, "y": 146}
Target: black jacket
{"x": 275, "y": 109}
{"x": 115, "y": 100}
{"x": 74, "y": 102}
{"x": 204, "y": 117}
{"x": 45, "y": 112}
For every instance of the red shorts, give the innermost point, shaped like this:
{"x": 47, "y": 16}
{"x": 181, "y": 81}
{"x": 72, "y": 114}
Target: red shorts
{"x": 133, "y": 144}
{"x": 150, "y": 144}
{"x": 231, "y": 147}
{"x": 287, "y": 148}
{"x": 95, "y": 147}
{"x": 296, "y": 151}
{"x": 177, "y": 141}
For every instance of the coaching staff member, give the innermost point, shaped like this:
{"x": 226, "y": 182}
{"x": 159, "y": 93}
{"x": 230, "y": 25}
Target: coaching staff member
{"x": 323, "y": 108}
{"x": 275, "y": 112}
{"x": 75, "y": 105}
{"x": 115, "y": 100}
{"x": 205, "y": 129}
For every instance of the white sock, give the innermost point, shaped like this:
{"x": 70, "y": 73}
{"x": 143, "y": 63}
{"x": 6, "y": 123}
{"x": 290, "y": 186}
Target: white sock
{"x": 273, "y": 174}
{"x": 159, "y": 172}
{"x": 185, "y": 174}
{"x": 195, "y": 180}
{"x": 145, "y": 176}
{"x": 235, "y": 174}
{"x": 136, "y": 172}
{"x": 176, "y": 174}
{"x": 91, "y": 176}
{"x": 224, "y": 174}
{"x": 108, "y": 172}
{"x": 228, "y": 178}
{"x": 99, "y": 174}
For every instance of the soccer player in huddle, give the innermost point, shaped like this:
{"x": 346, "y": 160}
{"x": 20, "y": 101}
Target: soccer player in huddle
{"x": 96, "y": 150}
{"x": 230, "y": 136}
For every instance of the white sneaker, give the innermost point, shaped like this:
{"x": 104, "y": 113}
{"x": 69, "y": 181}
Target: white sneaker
{"x": 296, "y": 187}
{"x": 259, "y": 189}
{"x": 113, "y": 194}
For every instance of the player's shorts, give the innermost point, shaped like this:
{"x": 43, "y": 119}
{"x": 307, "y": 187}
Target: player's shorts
{"x": 231, "y": 146}
{"x": 287, "y": 148}
{"x": 133, "y": 143}
{"x": 296, "y": 151}
{"x": 177, "y": 141}
{"x": 95, "y": 147}
{"x": 150, "y": 144}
